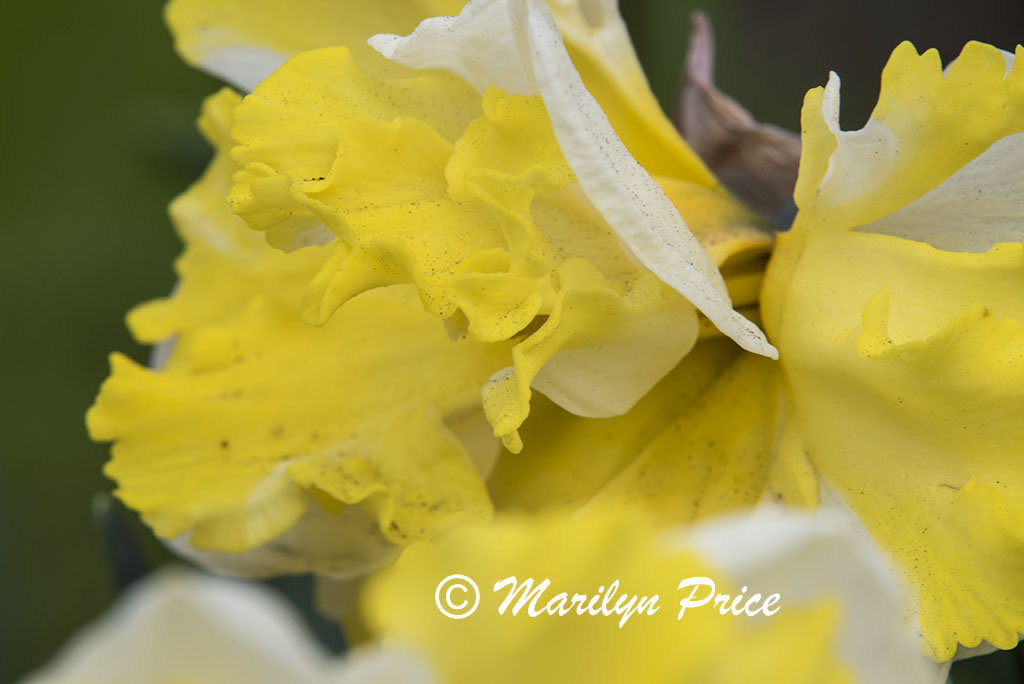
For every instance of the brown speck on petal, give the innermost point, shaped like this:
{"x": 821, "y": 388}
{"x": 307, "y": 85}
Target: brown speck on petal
{"x": 758, "y": 162}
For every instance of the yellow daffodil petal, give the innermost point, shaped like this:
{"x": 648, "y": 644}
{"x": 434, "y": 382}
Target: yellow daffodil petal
{"x": 526, "y": 54}
{"x": 257, "y": 418}
{"x": 567, "y": 459}
{"x": 905, "y": 396}
{"x": 243, "y": 41}
{"x": 926, "y": 127}
{"x": 904, "y": 363}
{"x": 716, "y": 457}
{"x": 582, "y": 555}
{"x": 481, "y": 214}
{"x": 700, "y": 444}
{"x": 289, "y": 141}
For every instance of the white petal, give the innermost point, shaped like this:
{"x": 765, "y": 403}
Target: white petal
{"x": 477, "y": 45}
{"x": 183, "y": 626}
{"x": 976, "y": 208}
{"x": 514, "y": 44}
{"x": 609, "y": 379}
{"x": 243, "y": 66}
{"x": 863, "y": 159}
{"x": 371, "y": 665}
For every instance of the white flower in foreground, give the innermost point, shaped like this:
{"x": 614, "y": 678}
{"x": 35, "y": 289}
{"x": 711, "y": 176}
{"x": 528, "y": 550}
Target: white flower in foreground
{"x": 181, "y": 626}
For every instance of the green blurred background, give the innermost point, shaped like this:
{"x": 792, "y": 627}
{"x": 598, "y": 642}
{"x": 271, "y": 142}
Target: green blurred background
{"x": 97, "y": 136}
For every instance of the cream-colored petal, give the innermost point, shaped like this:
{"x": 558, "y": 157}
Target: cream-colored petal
{"x": 974, "y": 210}
{"x": 345, "y": 543}
{"x": 180, "y": 626}
{"x": 476, "y": 45}
{"x": 804, "y": 556}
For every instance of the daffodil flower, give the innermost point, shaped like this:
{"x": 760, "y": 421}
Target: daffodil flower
{"x": 899, "y": 387}
{"x": 838, "y": 618}
{"x": 894, "y": 303}
{"x": 493, "y": 204}
{"x": 484, "y": 230}
{"x": 181, "y": 626}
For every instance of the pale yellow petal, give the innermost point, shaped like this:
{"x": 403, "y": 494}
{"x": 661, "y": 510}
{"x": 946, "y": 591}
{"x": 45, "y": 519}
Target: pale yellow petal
{"x": 567, "y": 459}
{"x": 716, "y": 457}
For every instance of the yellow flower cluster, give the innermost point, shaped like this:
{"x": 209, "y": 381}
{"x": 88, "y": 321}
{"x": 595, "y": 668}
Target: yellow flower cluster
{"x": 445, "y": 289}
